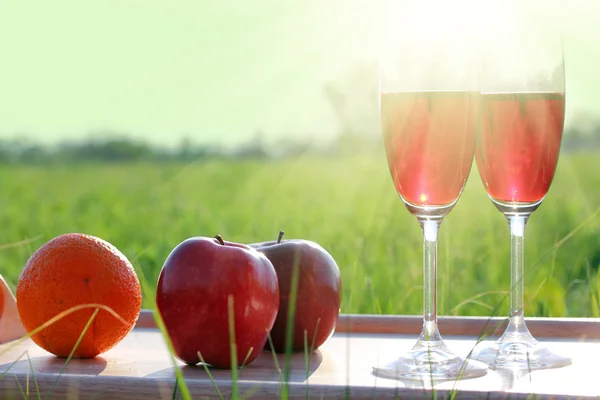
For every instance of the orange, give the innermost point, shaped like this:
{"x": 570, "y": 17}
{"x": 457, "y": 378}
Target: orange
{"x": 75, "y": 269}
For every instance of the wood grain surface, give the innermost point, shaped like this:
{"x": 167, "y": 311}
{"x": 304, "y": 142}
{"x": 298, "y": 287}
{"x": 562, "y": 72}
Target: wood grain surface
{"x": 140, "y": 367}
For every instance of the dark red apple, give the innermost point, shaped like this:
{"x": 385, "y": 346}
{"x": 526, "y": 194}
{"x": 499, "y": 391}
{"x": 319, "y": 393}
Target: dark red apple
{"x": 318, "y": 293}
{"x": 194, "y": 285}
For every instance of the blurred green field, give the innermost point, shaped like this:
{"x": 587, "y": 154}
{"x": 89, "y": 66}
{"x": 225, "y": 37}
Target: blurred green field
{"x": 348, "y": 205}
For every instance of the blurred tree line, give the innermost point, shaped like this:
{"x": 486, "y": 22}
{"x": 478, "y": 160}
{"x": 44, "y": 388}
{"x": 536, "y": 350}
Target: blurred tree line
{"x": 353, "y": 100}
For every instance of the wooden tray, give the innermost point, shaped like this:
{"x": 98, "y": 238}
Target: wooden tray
{"x": 140, "y": 367}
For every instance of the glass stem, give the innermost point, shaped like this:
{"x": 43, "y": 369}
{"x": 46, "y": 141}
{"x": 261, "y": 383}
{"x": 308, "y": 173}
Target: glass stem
{"x": 430, "y": 232}
{"x": 516, "y": 324}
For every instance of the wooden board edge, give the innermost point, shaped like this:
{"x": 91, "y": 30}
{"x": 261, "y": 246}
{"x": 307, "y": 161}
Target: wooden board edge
{"x": 560, "y": 328}
{"x": 568, "y": 328}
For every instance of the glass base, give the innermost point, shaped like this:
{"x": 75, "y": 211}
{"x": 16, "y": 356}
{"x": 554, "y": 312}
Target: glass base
{"x": 517, "y": 349}
{"x": 431, "y": 361}
{"x": 521, "y": 355}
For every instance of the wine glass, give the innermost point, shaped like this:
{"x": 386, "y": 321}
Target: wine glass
{"x": 429, "y": 110}
{"x": 523, "y": 111}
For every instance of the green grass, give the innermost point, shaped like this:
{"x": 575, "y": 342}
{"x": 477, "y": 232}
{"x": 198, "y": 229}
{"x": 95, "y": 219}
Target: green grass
{"x": 347, "y": 205}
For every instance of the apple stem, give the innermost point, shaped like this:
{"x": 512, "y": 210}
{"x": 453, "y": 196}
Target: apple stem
{"x": 220, "y": 240}
{"x": 280, "y": 236}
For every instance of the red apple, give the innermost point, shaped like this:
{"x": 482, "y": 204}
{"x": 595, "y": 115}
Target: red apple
{"x": 194, "y": 285}
{"x": 318, "y": 294}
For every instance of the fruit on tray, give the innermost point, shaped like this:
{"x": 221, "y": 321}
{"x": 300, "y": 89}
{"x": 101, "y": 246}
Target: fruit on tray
{"x": 318, "y": 297}
{"x": 69, "y": 272}
{"x": 209, "y": 287}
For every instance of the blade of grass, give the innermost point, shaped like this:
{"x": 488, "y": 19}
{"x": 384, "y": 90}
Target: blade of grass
{"x": 473, "y": 299}
{"x": 233, "y": 347}
{"x": 175, "y": 390}
{"x": 565, "y": 238}
{"x": 149, "y": 294}
{"x": 308, "y": 351}
{"x": 276, "y": 362}
{"x": 20, "y": 388}
{"x": 210, "y": 376}
{"x": 79, "y": 339}
{"x": 306, "y": 364}
{"x": 178, "y": 375}
{"x": 35, "y": 382}
{"x": 253, "y": 390}
{"x": 12, "y": 364}
{"x": 247, "y": 357}
{"x": 19, "y": 243}
{"x": 289, "y": 333}
{"x": 593, "y": 290}
{"x": 550, "y": 276}
{"x": 58, "y": 317}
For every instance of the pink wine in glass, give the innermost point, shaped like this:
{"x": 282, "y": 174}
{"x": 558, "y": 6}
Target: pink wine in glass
{"x": 430, "y": 140}
{"x": 519, "y": 145}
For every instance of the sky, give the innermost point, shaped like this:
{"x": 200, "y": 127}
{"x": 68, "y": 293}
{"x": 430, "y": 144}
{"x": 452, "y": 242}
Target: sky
{"x": 214, "y": 71}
